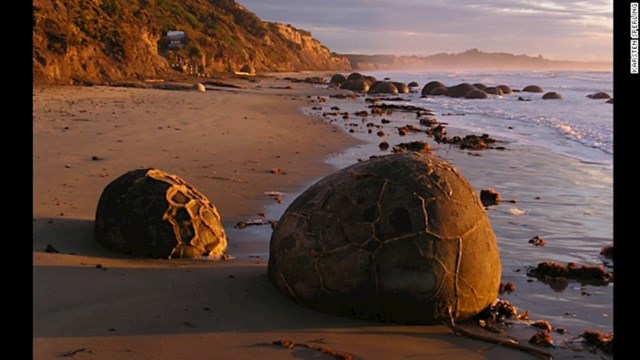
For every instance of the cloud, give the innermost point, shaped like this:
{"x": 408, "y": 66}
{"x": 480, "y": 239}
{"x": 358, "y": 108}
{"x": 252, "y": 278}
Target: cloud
{"x": 552, "y": 28}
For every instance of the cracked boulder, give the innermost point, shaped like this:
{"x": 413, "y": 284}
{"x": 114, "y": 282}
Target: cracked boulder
{"x": 399, "y": 238}
{"x": 151, "y": 213}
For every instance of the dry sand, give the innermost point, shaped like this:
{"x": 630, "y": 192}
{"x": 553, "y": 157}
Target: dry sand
{"x": 225, "y": 142}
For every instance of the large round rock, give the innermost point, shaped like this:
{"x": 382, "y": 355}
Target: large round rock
{"x": 399, "y": 238}
{"x": 151, "y": 213}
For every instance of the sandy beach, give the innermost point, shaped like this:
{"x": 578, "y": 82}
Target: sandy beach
{"x": 90, "y": 303}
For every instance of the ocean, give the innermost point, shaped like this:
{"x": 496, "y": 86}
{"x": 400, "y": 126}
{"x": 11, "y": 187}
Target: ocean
{"x": 557, "y": 168}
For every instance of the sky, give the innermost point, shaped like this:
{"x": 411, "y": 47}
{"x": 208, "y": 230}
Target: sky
{"x": 557, "y": 30}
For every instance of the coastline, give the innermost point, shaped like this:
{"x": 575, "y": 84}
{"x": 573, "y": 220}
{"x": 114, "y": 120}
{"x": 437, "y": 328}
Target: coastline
{"x": 137, "y": 308}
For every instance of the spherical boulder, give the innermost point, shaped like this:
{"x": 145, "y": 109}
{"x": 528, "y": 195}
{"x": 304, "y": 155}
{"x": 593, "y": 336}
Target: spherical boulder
{"x": 494, "y": 91}
{"x": 533, "y": 89}
{"x": 480, "y": 86}
{"x": 402, "y": 87}
{"x": 383, "y": 87}
{"x": 398, "y": 238}
{"x": 413, "y": 84}
{"x": 337, "y": 79}
{"x": 370, "y": 79}
{"x": 476, "y": 94}
{"x": 552, "y": 95}
{"x": 199, "y": 87}
{"x": 426, "y": 90}
{"x": 460, "y": 90}
{"x": 506, "y": 90}
{"x": 599, "y": 95}
{"x": 150, "y": 213}
{"x": 355, "y": 76}
{"x": 439, "y": 91}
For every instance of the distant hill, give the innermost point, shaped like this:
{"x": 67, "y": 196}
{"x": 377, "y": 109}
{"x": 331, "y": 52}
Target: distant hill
{"x": 473, "y": 59}
{"x": 80, "y": 41}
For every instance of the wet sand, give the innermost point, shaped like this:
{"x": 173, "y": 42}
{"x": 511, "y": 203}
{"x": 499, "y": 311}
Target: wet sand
{"x": 224, "y": 142}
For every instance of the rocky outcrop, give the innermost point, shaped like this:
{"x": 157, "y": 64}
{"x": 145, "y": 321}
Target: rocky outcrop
{"x": 77, "y": 41}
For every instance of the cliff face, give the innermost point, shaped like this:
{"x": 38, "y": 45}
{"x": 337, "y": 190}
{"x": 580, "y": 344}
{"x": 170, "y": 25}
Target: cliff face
{"x": 76, "y": 41}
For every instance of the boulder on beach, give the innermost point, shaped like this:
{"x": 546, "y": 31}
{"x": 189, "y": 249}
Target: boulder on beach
{"x": 383, "y": 87}
{"x": 337, "y": 79}
{"x": 398, "y": 238}
{"x": 360, "y": 85}
{"x": 402, "y": 87}
{"x": 533, "y": 89}
{"x": 150, "y": 213}
{"x": 494, "y": 91}
{"x": 506, "y": 90}
{"x": 599, "y": 95}
{"x": 355, "y": 76}
{"x": 459, "y": 90}
{"x": 199, "y": 87}
{"x": 610, "y": 101}
{"x": 248, "y": 69}
{"x": 413, "y": 84}
{"x": 552, "y": 95}
{"x": 426, "y": 90}
{"x": 476, "y": 94}
{"x": 370, "y": 79}
{"x": 439, "y": 91}
{"x": 480, "y": 86}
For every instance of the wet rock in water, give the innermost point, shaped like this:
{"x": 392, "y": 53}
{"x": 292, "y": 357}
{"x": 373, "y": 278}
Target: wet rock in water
{"x": 551, "y": 271}
{"x": 322, "y": 251}
{"x": 542, "y": 325}
{"x": 385, "y": 121}
{"x": 380, "y": 133}
{"x": 402, "y": 87}
{"x": 607, "y": 251}
{"x": 506, "y": 90}
{"x": 610, "y": 101}
{"x": 416, "y": 146}
{"x": 507, "y": 287}
{"x": 426, "y": 90}
{"x": 552, "y": 95}
{"x": 384, "y": 146}
{"x": 199, "y": 87}
{"x": 490, "y": 197}
{"x": 494, "y": 91}
{"x": 520, "y": 98}
{"x": 413, "y": 84}
{"x": 337, "y": 79}
{"x": 460, "y": 90}
{"x": 598, "y": 340}
{"x": 542, "y": 338}
{"x": 475, "y": 142}
{"x": 476, "y": 94}
{"x": 428, "y": 121}
{"x": 383, "y": 87}
{"x": 537, "y": 241}
{"x": 480, "y": 86}
{"x": 150, "y": 213}
{"x": 404, "y": 108}
{"x": 599, "y": 95}
{"x": 533, "y": 89}
{"x": 404, "y": 130}
{"x": 362, "y": 113}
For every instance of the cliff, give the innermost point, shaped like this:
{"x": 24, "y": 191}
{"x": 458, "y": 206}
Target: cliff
{"x": 95, "y": 41}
